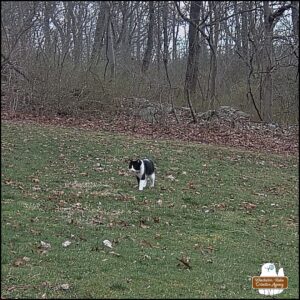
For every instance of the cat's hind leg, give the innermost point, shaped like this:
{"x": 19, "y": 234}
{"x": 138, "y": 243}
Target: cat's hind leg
{"x": 152, "y": 179}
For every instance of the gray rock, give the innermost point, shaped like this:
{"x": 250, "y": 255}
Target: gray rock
{"x": 148, "y": 111}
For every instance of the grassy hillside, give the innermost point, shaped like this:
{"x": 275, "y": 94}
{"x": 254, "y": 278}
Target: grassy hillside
{"x": 214, "y": 216}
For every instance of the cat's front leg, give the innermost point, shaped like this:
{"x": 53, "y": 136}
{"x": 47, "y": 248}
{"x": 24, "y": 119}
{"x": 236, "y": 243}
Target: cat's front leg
{"x": 142, "y": 184}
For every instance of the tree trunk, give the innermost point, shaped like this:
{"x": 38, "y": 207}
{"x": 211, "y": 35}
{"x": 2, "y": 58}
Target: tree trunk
{"x": 270, "y": 19}
{"x": 46, "y": 27}
{"x": 174, "y": 36}
{"x": 166, "y": 43}
{"x": 138, "y": 42}
{"x": 99, "y": 33}
{"x": 165, "y": 31}
{"x": 110, "y": 51}
{"x": 244, "y": 32}
{"x": 295, "y": 20}
{"x": 149, "y": 48}
{"x": 267, "y": 60}
{"x": 76, "y": 47}
{"x": 237, "y": 27}
{"x": 194, "y": 50}
{"x": 158, "y": 50}
{"x": 214, "y": 47}
{"x": 126, "y": 27}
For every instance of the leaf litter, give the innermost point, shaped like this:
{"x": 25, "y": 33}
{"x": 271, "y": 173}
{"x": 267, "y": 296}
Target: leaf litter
{"x": 247, "y": 135}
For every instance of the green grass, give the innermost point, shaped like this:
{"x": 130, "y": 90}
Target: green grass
{"x": 63, "y": 184}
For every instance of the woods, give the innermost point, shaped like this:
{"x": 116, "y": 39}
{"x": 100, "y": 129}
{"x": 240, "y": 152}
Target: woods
{"x": 76, "y": 58}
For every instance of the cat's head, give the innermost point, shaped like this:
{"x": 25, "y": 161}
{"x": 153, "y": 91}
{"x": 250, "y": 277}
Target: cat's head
{"x": 135, "y": 165}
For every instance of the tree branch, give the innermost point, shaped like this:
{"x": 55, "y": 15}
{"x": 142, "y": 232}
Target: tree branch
{"x": 200, "y": 27}
{"x": 8, "y": 62}
{"x": 279, "y": 12}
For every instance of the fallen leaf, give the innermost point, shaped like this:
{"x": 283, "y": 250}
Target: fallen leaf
{"x": 171, "y": 177}
{"x": 123, "y": 173}
{"x": 25, "y": 258}
{"x": 8, "y": 182}
{"x": 157, "y": 236}
{"x": 156, "y": 219}
{"x": 146, "y": 256}
{"x": 159, "y": 202}
{"x": 221, "y": 206}
{"x": 19, "y": 262}
{"x": 185, "y": 260}
{"x": 107, "y": 243}
{"x": 66, "y": 243}
{"x": 145, "y": 243}
{"x": 114, "y": 253}
{"x": 248, "y": 205}
{"x": 260, "y": 194}
{"x": 65, "y": 286}
{"x": 44, "y": 247}
{"x": 191, "y": 185}
{"x": 143, "y": 225}
{"x": 210, "y": 248}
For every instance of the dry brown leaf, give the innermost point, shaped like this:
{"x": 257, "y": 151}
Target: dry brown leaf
{"x": 145, "y": 243}
{"x": 143, "y": 225}
{"x": 44, "y": 247}
{"x": 21, "y": 261}
{"x": 221, "y": 206}
{"x": 185, "y": 260}
{"x": 35, "y": 180}
{"x": 248, "y": 205}
{"x": 156, "y": 219}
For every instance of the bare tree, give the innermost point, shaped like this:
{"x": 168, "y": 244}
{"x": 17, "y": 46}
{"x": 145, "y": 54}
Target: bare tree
{"x": 46, "y": 27}
{"x": 165, "y": 32}
{"x": 270, "y": 19}
{"x": 244, "y": 30}
{"x": 175, "y": 30}
{"x": 193, "y": 52}
{"x": 110, "y": 51}
{"x": 99, "y": 33}
{"x": 214, "y": 37}
{"x": 295, "y": 21}
{"x": 237, "y": 27}
{"x": 149, "y": 47}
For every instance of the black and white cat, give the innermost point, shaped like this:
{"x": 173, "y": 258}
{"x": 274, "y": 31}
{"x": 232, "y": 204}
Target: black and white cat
{"x": 143, "y": 169}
